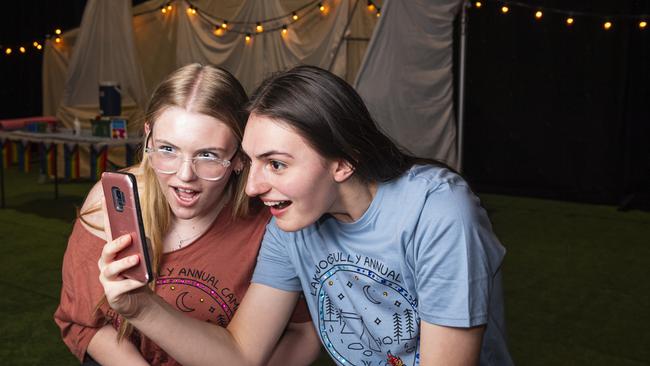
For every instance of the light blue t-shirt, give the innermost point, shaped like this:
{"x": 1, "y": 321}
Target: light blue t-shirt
{"x": 424, "y": 250}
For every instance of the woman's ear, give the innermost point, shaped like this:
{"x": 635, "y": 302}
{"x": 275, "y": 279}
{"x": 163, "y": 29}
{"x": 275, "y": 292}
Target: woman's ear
{"x": 147, "y": 128}
{"x": 238, "y": 163}
{"x": 343, "y": 170}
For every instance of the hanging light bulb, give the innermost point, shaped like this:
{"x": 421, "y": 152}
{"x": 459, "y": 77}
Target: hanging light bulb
{"x": 478, "y": 4}
{"x": 321, "y": 7}
{"x": 57, "y": 39}
{"x": 35, "y": 44}
{"x": 21, "y": 49}
{"x": 39, "y": 47}
{"x": 569, "y": 21}
{"x": 607, "y": 25}
{"x": 248, "y": 37}
{"x": 643, "y": 24}
{"x": 294, "y": 16}
{"x": 218, "y": 31}
{"x": 284, "y": 30}
{"x": 8, "y": 51}
{"x": 163, "y": 10}
{"x": 539, "y": 14}
{"x": 169, "y": 7}
{"x": 259, "y": 28}
{"x": 224, "y": 25}
{"x": 57, "y": 31}
{"x": 371, "y": 6}
{"x": 504, "y": 9}
{"x": 378, "y": 14}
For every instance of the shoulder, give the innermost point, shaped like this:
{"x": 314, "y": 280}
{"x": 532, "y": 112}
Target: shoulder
{"x": 423, "y": 186}
{"x": 92, "y": 212}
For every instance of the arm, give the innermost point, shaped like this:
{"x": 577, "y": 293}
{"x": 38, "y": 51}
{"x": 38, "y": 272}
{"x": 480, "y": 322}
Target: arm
{"x": 83, "y": 327}
{"x": 106, "y": 350}
{"x": 249, "y": 339}
{"x": 449, "y": 346}
{"x": 299, "y": 345}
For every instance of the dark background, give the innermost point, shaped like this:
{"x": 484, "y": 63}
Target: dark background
{"x": 551, "y": 111}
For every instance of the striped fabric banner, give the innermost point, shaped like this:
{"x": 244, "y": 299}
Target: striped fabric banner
{"x": 14, "y": 152}
{"x": 71, "y": 159}
{"x": 5, "y": 153}
{"x": 25, "y": 157}
{"x": 98, "y": 159}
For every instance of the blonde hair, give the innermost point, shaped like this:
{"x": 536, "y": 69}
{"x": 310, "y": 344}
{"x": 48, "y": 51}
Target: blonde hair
{"x": 196, "y": 88}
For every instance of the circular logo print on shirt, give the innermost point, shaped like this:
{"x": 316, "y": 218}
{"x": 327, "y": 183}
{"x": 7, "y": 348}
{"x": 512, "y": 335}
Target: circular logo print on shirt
{"x": 364, "y": 318}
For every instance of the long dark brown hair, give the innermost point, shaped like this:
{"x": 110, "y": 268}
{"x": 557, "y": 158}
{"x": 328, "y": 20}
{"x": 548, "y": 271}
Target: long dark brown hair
{"x": 331, "y": 116}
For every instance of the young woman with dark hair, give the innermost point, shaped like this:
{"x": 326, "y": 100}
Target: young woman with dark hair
{"x": 395, "y": 256}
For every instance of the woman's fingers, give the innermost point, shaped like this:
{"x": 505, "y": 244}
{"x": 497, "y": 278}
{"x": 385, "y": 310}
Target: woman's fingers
{"x": 117, "y": 289}
{"x": 113, "y": 269}
{"x": 110, "y": 250}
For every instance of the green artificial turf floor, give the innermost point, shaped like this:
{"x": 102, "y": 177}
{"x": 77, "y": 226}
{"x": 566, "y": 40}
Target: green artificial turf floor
{"x": 576, "y": 277}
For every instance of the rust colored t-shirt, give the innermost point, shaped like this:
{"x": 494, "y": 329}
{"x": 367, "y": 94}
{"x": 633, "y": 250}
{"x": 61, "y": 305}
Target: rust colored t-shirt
{"x": 205, "y": 280}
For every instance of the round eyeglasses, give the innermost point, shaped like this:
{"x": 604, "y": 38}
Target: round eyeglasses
{"x": 205, "y": 167}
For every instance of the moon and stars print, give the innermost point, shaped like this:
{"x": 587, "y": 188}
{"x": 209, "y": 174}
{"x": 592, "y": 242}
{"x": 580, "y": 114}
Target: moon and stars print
{"x": 364, "y": 317}
{"x": 198, "y": 294}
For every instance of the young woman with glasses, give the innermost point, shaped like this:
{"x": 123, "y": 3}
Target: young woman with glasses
{"x": 204, "y": 232}
{"x": 395, "y": 256}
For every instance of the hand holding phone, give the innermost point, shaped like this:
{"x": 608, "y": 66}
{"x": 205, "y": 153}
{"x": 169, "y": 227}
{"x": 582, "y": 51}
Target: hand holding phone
{"x": 125, "y": 217}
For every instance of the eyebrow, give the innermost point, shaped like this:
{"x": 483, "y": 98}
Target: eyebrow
{"x": 165, "y": 142}
{"x": 267, "y": 154}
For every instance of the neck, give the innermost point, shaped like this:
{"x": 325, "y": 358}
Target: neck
{"x": 355, "y": 196}
{"x": 183, "y": 232}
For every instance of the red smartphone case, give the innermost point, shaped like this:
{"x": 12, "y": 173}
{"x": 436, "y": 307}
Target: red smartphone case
{"x": 125, "y": 217}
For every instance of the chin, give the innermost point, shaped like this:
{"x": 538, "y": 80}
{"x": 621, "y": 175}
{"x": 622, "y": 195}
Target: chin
{"x": 292, "y": 225}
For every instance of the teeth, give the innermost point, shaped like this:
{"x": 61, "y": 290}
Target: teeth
{"x": 185, "y": 190}
{"x": 273, "y": 203}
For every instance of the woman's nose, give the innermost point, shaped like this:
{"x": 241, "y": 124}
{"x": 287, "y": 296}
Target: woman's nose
{"x": 186, "y": 170}
{"x": 256, "y": 183}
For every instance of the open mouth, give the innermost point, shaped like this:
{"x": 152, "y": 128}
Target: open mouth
{"x": 278, "y": 205}
{"x": 186, "y": 195}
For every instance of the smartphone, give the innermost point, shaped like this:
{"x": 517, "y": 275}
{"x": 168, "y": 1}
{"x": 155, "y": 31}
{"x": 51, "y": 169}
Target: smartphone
{"x": 125, "y": 217}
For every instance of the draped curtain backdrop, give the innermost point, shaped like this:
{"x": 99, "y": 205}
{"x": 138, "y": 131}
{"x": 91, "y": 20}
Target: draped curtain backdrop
{"x": 406, "y": 77}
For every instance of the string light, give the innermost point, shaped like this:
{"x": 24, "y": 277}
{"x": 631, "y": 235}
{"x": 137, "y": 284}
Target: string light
{"x": 224, "y": 25}
{"x": 57, "y": 39}
{"x": 294, "y": 16}
{"x": 504, "y": 9}
{"x": 248, "y": 37}
{"x": 371, "y": 6}
{"x": 259, "y": 28}
{"x": 35, "y": 44}
{"x": 321, "y": 7}
{"x": 378, "y": 12}
{"x": 539, "y": 14}
{"x": 607, "y": 25}
{"x": 191, "y": 10}
{"x": 169, "y": 7}
{"x": 218, "y": 31}
{"x": 643, "y": 24}
{"x": 163, "y": 10}
{"x": 39, "y": 47}
{"x": 21, "y": 49}
{"x": 569, "y": 21}
{"x": 57, "y": 31}
{"x": 478, "y": 4}
{"x": 8, "y": 51}
{"x": 284, "y": 30}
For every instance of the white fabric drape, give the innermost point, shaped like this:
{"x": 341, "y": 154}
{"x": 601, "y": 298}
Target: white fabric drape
{"x": 406, "y": 77}
{"x": 159, "y": 43}
{"x": 104, "y": 51}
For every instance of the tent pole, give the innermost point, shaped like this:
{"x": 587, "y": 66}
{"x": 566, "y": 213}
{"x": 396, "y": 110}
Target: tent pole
{"x": 461, "y": 81}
